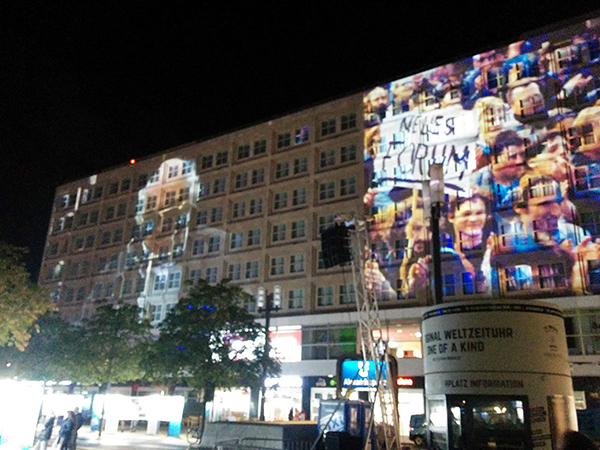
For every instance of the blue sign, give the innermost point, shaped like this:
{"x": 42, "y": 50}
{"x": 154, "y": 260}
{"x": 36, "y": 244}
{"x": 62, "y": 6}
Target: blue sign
{"x": 362, "y": 373}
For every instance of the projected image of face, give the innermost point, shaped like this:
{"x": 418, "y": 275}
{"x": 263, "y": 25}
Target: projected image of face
{"x": 520, "y": 147}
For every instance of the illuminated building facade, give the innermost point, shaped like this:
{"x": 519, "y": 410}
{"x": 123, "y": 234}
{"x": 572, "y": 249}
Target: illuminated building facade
{"x": 518, "y": 132}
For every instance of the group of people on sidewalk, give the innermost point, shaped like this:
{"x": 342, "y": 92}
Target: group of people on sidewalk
{"x": 67, "y": 436}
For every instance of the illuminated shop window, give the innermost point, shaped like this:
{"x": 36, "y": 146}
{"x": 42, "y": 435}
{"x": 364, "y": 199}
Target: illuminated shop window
{"x": 277, "y": 265}
{"x": 518, "y": 278}
{"x": 581, "y": 136}
{"x": 328, "y": 127}
{"x": 258, "y": 176}
{"x": 300, "y": 165}
{"x": 188, "y": 167}
{"x": 235, "y": 271}
{"x": 216, "y": 214}
{"x": 348, "y": 122}
{"x": 325, "y": 296}
{"x": 299, "y": 196}
{"x": 552, "y": 276}
{"x": 296, "y": 299}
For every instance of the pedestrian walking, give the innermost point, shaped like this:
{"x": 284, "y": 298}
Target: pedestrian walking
{"x": 67, "y": 431}
{"x": 45, "y": 434}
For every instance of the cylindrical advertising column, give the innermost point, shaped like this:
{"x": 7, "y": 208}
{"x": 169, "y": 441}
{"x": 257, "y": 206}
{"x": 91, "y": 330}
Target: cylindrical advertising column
{"x": 482, "y": 357}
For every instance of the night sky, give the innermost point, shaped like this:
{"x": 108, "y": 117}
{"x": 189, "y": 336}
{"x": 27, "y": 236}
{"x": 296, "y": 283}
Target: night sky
{"x": 90, "y": 84}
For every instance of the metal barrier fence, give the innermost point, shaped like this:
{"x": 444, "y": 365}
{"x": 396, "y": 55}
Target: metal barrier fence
{"x": 255, "y": 443}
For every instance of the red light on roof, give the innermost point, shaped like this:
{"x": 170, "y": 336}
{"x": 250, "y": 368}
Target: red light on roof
{"x": 401, "y": 381}
{"x": 132, "y": 161}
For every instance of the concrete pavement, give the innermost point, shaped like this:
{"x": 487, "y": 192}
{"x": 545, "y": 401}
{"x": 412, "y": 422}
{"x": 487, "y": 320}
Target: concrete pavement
{"x": 89, "y": 440}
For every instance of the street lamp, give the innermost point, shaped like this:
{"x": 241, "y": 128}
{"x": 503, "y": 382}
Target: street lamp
{"x": 433, "y": 197}
{"x": 265, "y": 304}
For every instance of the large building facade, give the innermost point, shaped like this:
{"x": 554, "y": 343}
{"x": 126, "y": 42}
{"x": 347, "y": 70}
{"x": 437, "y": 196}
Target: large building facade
{"x": 518, "y": 132}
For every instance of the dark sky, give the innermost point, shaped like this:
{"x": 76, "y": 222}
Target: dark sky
{"x": 89, "y": 84}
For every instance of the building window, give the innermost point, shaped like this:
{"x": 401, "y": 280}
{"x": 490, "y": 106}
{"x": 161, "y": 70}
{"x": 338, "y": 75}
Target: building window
{"x": 184, "y": 194}
{"x": 277, "y": 265}
{"x": 327, "y": 190}
{"x": 301, "y": 135}
{"x": 254, "y": 236}
{"x": 326, "y": 222}
{"x": 140, "y": 285}
{"x": 109, "y": 290}
{"x": 348, "y": 122}
{"x": 188, "y": 167}
{"x": 131, "y": 258}
{"x": 198, "y": 247}
{"x": 235, "y": 271}
{"x": 151, "y": 203}
{"x": 155, "y": 313}
{"x": 283, "y": 140}
{"x": 513, "y": 234}
{"x": 518, "y": 278}
{"x": 160, "y": 282}
{"x": 237, "y": 240}
{"x": 163, "y": 252}
{"x": 167, "y": 224}
{"x": 239, "y": 209}
{"x": 325, "y": 296}
{"x": 97, "y": 291}
{"x": 117, "y": 235}
{"x": 243, "y": 152}
{"x": 154, "y": 177}
{"x": 125, "y": 184}
{"x": 221, "y": 158}
{"x": 251, "y": 269}
{"x": 202, "y": 217}
{"x": 127, "y": 287}
{"x": 297, "y": 263}
{"x": 587, "y": 177}
{"x": 54, "y": 248}
{"x": 195, "y": 276}
{"x": 347, "y": 294}
{"x": 347, "y": 186}
{"x": 98, "y": 192}
{"x": 299, "y": 196}
{"x": 590, "y": 221}
{"x": 110, "y": 213}
{"x": 113, "y": 188}
{"x": 448, "y": 285}
{"x": 80, "y": 294}
{"x": 495, "y": 79}
{"x": 216, "y": 214}
{"x": 545, "y": 229}
{"x": 300, "y": 165}
{"x": 282, "y": 170}
{"x": 328, "y": 127}
{"x": 93, "y": 217}
{"x": 212, "y": 274}
{"x": 214, "y": 244}
{"x": 260, "y": 147}
{"x": 86, "y": 195}
{"x": 258, "y": 176}
{"x": 170, "y": 198}
{"x": 256, "y": 206}
{"x": 279, "y": 232}
{"x": 473, "y": 284}
{"x": 280, "y": 201}
{"x": 174, "y": 280}
{"x": 552, "y": 276}
{"x": 296, "y": 299}
{"x": 327, "y": 158}
{"x": 298, "y": 229}
{"x": 348, "y": 153}
{"x": 206, "y": 162}
{"x": 105, "y": 240}
{"x": 178, "y": 250}
{"x": 69, "y": 293}
{"x": 139, "y": 205}
{"x": 89, "y": 241}
{"x": 241, "y": 180}
{"x": 204, "y": 189}
{"x": 173, "y": 171}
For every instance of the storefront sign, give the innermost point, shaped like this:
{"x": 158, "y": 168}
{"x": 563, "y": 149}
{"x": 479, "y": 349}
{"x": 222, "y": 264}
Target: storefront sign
{"x": 405, "y": 382}
{"x": 362, "y": 373}
{"x": 286, "y": 381}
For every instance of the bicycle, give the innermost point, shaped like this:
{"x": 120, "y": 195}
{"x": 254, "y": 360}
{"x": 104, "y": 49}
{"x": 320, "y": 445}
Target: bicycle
{"x": 194, "y": 435}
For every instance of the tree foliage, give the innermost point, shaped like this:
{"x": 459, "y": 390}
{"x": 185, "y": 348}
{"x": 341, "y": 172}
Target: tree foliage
{"x": 21, "y": 302}
{"x": 209, "y": 341}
